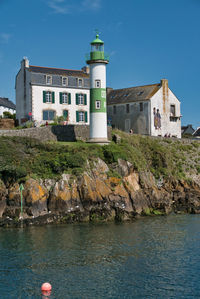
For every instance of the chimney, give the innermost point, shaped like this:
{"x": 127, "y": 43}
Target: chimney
{"x": 108, "y": 90}
{"x": 86, "y": 69}
{"x": 164, "y": 83}
{"x": 24, "y": 62}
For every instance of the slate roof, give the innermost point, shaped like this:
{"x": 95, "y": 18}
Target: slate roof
{"x": 5, "y": 102}
{"x": 56, "y": 71}
{"x": 197, "y": 133}
{"x": 132, "y": 94}
{"x": 187, "y": 129}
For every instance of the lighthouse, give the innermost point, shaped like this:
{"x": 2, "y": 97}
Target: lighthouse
{"x": 97, "y": 61}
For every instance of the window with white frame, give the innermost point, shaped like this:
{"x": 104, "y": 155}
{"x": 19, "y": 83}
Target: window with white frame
{"x": 64, "y": 81}
{"x": 48, "y": 96}
{"x": 79, "y": 82}
{"x": 98, "y": 104}
{"x": 64, "y": 97}
{"x": 97, "y": 83}
{"x": 81, "y": 116}
{"x": 48, "y": 79}
{"x": 80, "y": 99}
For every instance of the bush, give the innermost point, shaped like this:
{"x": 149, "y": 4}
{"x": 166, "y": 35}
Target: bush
{"x": 7, "y": 114}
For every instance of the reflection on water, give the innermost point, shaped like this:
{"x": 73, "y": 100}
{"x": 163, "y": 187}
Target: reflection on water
{"x": 155, "y": 257}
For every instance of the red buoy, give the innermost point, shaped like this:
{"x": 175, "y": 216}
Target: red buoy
{"x": 46, "y": 289}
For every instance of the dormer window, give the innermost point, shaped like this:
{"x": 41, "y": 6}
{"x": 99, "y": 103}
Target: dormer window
{"x": 64, "y": 81}
{"x": 79, "y": 82}
{"x": 48, "y": 80}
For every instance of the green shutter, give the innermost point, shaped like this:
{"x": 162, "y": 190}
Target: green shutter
{"x": 65, "y": 114}
{"x": 76, "y": 98}
{"x": 44, "y": 96}
{"x": 85, "y": 99}
{"x": 85, "y": 116}
{"x": 53, "y": 97}
{"x": 77, "y": 116}
{"x": 61, "y": 100}
{"x": 69, "y": 98}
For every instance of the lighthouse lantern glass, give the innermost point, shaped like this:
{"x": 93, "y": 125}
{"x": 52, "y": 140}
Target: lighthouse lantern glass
{"x": 97, "y": 48}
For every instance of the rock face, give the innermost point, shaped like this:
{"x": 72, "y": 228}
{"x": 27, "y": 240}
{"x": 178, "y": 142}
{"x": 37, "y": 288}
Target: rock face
{"x": 95, "y": 196}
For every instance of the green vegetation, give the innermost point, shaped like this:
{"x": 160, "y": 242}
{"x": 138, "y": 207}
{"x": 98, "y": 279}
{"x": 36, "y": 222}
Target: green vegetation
{"x": 7, "y": 114}
{"x": 24, "y": 157}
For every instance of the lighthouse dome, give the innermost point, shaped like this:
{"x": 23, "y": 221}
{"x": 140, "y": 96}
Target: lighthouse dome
{"x": 97, "y": 40}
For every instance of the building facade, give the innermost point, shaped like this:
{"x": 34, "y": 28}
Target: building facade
{"x": 148, "y": 110}
{"x": 7, "y": 106}
{"x": 43, "y": 93}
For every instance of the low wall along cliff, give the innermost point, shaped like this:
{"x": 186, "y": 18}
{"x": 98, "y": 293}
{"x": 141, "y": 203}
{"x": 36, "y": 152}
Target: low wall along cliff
{"x": 54, "y": 133}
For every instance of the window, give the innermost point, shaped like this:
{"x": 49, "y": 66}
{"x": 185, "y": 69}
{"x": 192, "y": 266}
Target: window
{"x": 98, "y": 104}
{"x": 49, "y": 97}
{"x": 79, "y": 82}
{"x": 65, "y": 98}
{"x": 81, "y": 99}
{"x": 65, "y": 114}
{"x": 127, "y": 108}
{"x": 49, "y": 114}
{"x": 141, "y": 106}
{"x": 64, "y": 81}
{"x": 114, "y": 110}
{"x": 172, "y": 110}
{"x": 97, "y": 83}
{"x": 48, "y": 80}
{"x": 81, "y": 116}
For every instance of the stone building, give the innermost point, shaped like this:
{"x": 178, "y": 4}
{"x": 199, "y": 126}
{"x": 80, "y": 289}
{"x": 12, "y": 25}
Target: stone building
{"x": 149, "y": 110}
{"x": 6, "y": 106}
{"x": 43, "y": 93}
{"x": 187, "y": 130}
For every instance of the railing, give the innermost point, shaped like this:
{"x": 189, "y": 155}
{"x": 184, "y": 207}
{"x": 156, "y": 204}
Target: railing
{"x": 97, "y": 55}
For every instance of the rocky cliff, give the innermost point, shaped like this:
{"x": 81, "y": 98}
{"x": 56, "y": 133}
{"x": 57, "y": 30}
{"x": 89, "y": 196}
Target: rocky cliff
{"x": 97, "y": 195}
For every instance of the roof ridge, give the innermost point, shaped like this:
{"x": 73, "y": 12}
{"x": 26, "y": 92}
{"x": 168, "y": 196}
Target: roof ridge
{"x": 55, "y": 68}
{"x": 156, "y": 84}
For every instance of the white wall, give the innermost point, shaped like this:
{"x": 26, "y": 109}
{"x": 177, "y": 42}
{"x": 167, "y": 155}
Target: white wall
{"x": 3, "y": 109}
{"x": 38, "y": 106}
{"x": 98, "y": 72}
{"x": 167, "y": 126}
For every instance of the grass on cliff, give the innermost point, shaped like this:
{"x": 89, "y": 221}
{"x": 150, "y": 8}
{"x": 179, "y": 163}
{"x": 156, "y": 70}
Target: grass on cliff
{"x": 24, "y": 157}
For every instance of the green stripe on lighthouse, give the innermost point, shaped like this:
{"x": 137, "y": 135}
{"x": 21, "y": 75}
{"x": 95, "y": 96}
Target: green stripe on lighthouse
{"x": 97, "y": 94}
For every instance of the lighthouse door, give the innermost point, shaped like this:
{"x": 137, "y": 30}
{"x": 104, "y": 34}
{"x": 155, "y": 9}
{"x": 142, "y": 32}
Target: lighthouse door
{"x": 127, "y": 125}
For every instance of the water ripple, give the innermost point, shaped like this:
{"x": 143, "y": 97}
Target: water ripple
{"x": 155, "y": 257}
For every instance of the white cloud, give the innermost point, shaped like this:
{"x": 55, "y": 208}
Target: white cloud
{"x": 91, "y": 4}
{"x": 66, "y": 7}
{"x": 4, "y": 38}
{"x": 59, "y": 6}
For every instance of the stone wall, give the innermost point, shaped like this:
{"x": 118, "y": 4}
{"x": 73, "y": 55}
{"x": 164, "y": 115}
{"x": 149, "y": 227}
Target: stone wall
{"x": 54, "y": 133}
{"x": 6, "y": 123}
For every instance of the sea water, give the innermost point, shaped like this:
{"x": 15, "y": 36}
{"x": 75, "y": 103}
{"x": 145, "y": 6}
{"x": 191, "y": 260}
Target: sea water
{"x": 153, "y": 257}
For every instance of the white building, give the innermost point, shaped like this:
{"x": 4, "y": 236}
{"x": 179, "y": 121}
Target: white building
{"x": 43, "y": 93}
{"x": 7, "y": 106}
{"x": 149, "y": 110}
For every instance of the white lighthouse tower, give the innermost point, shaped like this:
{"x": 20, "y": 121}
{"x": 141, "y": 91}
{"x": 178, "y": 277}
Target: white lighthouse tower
{"x": 98, "y": 114}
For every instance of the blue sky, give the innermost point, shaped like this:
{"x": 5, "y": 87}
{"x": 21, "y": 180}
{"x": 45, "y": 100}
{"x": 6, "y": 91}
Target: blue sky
{"x": 147, "y": 40}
